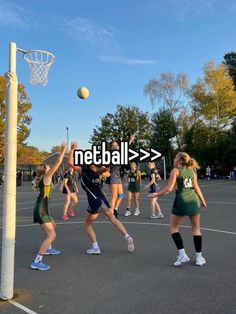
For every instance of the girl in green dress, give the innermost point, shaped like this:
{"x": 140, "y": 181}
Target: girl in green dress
{"x": 43, "y": 182}
{"x": 134, "y": 179}
{"x": 188, "y": 197}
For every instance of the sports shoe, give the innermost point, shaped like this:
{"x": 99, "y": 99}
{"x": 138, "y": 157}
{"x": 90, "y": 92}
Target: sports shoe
{"x": 130, "y": 243}
{"x": 93, "y": 251}
{"x": 200, "y": 261}
{"x": 71, "y": 212}
{"x": 128, "y": 213}
{"x": 137, "y": 212}
{"x": 64, "y": 217}
{"x": 153, "y": 216}
{"x": 52, "y": 251}
{"x": 115, "y": 213}
{"x": 40, "y": 266}
{"x": 159, "y": 216}
{"x": 181, "y": 259}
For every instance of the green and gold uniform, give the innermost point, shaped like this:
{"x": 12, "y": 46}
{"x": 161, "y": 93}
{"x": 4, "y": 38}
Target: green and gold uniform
{"x": 41, "y": 212}
{"x": 134, "y": 181}
{"x": 186, "y": 200}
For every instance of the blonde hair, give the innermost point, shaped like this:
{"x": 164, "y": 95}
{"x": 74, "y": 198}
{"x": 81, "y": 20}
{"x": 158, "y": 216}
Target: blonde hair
{"x": 186, "y": 160}
{"x": 40, "y": 171}
{"x": 152, "y": 164}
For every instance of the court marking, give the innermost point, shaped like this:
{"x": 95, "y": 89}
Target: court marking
{"x": 27, "y": 310}
{"x": 131, "y": 223}
{"x": 85, "y": 200}
{"x": 22, "y": 307}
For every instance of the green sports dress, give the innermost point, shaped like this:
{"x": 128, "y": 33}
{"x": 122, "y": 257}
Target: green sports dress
{"x": 134, "y": 185}
{"x": 41, "y": 211}
{"x": 186, "y": 201}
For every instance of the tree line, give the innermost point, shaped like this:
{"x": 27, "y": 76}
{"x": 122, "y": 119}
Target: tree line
{"x": 199, "y": 118}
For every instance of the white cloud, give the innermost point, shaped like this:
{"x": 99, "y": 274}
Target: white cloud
{"x": 14, "y": 16}
{"x": 84, "y": 29}
{"x": 104, "y": 39}
{"x": 128, "y": 61}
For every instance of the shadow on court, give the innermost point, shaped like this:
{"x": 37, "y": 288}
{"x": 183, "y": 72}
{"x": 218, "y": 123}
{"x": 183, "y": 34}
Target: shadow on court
{"x": 121, "y": 282}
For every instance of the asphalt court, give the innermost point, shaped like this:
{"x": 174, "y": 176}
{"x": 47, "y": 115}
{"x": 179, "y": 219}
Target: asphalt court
{"x": 117, "y": 281}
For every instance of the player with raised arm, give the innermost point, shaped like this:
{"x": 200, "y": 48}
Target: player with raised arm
{"x": 90, "y": 182}
{"x": 43, "y": 182}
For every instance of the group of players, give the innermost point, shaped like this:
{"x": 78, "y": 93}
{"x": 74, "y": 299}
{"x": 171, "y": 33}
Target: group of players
{"x": 187, "y": 202}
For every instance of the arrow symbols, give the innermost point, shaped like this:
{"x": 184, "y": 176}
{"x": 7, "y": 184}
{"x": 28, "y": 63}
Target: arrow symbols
{"x": 145, "y": 154}
{"x": 135, "y": 154}
{"x": 157, "y": 154}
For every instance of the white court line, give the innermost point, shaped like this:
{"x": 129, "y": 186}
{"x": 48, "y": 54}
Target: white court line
{"x": 51, "y": 205}
{"x": 131, "y": 223}
{"x": 208, "y": 202}
{"x": 22, "y": 307}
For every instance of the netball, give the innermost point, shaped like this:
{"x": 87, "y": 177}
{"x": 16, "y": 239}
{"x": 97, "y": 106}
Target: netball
{"x": 83, "y": 92}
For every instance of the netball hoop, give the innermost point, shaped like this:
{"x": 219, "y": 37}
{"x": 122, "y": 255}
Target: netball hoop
{"x": 39, "y": 62}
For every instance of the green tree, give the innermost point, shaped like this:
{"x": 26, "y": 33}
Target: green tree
{"x": 118, "y": 126}
{"x": 164, "y": 128}
{"x": 230, "y": 62}
{"x": 23, "y": 119}
{"x": 210, "y": 146}
{"x": 30, "y": 155}
{"x": 56, "y": 149}
{"x": 213, "y": 97}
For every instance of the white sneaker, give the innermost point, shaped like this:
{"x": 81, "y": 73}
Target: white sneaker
{"x": 153, "y": 216}
{"x": 181, "y": 259}
{"x": 159, "y": 216}
{"x": 130, "y": 243}
{"x": 128, "y": 213}
{"x": 93, "y": 251}
{"x": 200, "y": 260}
{"x": 137, "y": 212}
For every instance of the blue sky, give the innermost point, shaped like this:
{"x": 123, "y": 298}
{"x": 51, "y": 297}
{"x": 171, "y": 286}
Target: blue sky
{"x": 113, "y": 48}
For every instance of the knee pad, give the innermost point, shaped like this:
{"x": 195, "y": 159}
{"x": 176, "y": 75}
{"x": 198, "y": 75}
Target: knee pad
{"x": 120, "y": 195}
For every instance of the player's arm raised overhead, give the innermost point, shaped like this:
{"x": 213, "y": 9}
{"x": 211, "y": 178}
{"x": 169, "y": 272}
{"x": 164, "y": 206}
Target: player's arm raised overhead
{"x": 58, "y": 162}
{"x": 74, "y": 145}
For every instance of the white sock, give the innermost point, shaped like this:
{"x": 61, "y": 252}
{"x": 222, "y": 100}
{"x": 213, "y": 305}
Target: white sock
{"x": 182, "y": 252}
{"x": 50, "y": 246}
{"x": 95, "y": 245}
{"x": 126, "y": 237}
{"x": 198, "y": 254}
{"x": 38, "y": 258}
{"x": 136, "y": 209}
{"x": 116, "y": 209}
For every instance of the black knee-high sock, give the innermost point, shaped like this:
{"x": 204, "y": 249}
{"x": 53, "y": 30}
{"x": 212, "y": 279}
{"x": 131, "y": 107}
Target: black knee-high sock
{"x": 197, "y": 239}
{"x": 178, "y": 240}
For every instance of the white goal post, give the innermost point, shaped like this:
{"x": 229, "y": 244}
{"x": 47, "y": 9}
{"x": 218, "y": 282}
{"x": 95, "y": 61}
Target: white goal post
{"x": 40, "y": 62}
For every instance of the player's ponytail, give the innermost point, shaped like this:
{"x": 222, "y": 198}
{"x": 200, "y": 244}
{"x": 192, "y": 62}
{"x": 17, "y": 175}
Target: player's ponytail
{"x": 192, "y": 163}
{"x": 186, "y": 160}
{"x": 40, "y": 171}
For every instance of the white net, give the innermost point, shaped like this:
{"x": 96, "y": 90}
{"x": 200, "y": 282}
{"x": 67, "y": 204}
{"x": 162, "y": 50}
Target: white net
{"x": 39, "y": 62}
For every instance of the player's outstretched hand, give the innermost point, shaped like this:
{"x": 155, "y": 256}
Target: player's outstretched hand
{"x": 63, "y": 146}
{"x": 74, "y": 145}
{"x": 131, "y": 138}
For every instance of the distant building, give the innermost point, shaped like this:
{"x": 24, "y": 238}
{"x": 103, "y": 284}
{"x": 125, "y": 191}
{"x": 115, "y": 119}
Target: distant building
{"x": 52, "y": 159}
